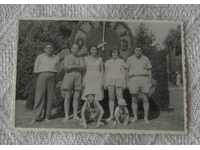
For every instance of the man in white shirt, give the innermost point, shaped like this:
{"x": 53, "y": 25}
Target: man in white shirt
{"x": 139, "y": 81}
{"x": 46, "y": 68}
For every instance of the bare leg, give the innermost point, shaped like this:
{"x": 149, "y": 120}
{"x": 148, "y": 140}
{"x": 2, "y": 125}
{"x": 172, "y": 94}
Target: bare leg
{"x": 75, "y": 104}
{"x": 111, "y": 93}
{"x": 146, "y": 107}
{"x": 67, "y": 104}
{"x": 99, "y": 123}
{"x": 127, "y": 117}
{"x": 63, "y": 93}
{"x": 116, "y": 116}
{"x": 119, "y": 93}
{"x": 134, "y": 107}
{"x": 83, "y": 115}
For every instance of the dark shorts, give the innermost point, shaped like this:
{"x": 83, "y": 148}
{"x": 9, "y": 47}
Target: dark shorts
{"x": 72, "y": 81}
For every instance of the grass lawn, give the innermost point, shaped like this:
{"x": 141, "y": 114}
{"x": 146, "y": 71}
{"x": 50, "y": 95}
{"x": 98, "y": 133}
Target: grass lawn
{"x": 171, "y": 121}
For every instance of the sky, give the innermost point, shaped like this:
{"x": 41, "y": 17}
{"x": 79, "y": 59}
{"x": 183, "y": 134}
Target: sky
{"x": 159, "y": 28}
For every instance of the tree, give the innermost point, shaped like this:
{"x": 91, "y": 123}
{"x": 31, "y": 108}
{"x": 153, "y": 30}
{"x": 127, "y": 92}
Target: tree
{"x": 144, "y": 38}
{"x": 32, "y": 37}
{"x": 173, "y": 40}
{"x": 173, "y": 47}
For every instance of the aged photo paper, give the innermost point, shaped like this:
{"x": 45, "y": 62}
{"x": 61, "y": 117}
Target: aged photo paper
{"x": 114, "y": 76}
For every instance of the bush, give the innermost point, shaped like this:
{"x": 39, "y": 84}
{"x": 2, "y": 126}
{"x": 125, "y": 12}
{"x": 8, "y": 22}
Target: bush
{"x": 32, "y": 37}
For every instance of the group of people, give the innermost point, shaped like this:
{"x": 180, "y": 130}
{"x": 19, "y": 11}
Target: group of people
{"x": 86, "y": 78}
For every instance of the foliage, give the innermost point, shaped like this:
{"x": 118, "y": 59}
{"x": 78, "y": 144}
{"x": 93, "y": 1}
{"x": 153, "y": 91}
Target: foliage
{"x": 173, "y": 46}
{"x": 173, "y": 40}
{"x": 32, "y": 37}
{"x": 144, "y": 38}
{"x": 34, "y": 34}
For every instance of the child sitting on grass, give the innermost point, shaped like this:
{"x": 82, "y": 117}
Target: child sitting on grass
{"x": 92, "y": 111}
{"x": 121, "y": 113}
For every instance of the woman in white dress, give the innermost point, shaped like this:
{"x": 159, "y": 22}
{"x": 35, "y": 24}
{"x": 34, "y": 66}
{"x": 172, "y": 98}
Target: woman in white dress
{"x": 93, "y": 84}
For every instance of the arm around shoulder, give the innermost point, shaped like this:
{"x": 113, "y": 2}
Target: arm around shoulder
{"x": 66, "y": 64}
{"x": 148, "y": 63}
{"x": 83, "y": 64}
{"x": 36, "y": 64}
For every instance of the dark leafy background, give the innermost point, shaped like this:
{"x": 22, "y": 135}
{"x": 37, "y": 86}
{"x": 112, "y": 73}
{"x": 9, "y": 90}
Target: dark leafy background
{"x": 33, "y": 35}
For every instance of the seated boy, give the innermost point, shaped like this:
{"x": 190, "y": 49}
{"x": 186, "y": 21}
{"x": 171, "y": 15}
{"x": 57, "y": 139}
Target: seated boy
{"x": 92, "y": 111}
{"x": 121, "y": 113}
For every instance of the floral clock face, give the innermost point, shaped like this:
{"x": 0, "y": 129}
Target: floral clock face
{"x": 116, "y": 35}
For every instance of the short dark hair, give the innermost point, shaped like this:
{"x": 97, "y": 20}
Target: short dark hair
{"x": 91, "y": 48}
{"x": 139, "y": 48}
{"x": 74, "y": 44}
{"x": 49, "y": 43}
{"x": 79, "y": 39}
{"x": 115, "y": 50}
{"x": 90, "y": 95}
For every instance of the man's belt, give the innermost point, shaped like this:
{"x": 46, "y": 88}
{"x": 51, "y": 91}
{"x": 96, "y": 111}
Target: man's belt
{"x": 138, "y": 75}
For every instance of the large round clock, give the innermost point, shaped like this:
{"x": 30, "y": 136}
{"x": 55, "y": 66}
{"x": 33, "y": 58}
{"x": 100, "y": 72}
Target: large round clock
{"x": 115, "y": 34}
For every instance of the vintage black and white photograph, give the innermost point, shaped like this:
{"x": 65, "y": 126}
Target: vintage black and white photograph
{"x": 101, "y": 75}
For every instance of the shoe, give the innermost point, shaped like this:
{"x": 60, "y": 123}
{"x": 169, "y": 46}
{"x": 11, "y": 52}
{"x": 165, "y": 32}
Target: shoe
{"x": 85, "y": 125}
{"x": 134, "y": 120}
{"x": 76, "y": 118}
{"x": 32, "y": 122}
{"x": 65, "y": 119}
{"x": 99, "y": 124}
{"x": 109, "y": 119}
{"x": 146, "y": 121}
{"x": 47, "y": 120}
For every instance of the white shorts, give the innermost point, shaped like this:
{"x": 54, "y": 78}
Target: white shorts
{"x": 116, "y": 82}
{"x": 139, "y": 84}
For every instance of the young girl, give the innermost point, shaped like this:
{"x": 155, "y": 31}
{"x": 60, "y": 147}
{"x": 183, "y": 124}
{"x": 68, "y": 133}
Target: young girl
{"x": 93, "y": 83}
{"x": 115, "y": 72}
